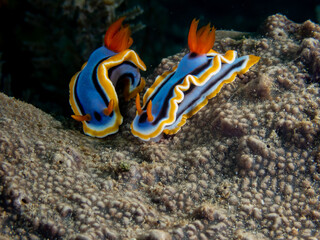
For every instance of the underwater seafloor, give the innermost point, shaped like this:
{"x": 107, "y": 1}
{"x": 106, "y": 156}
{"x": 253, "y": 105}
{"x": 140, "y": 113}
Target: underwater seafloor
{"x": 247, "y": 166}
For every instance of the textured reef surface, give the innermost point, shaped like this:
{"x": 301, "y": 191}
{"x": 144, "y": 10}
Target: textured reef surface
{"x": 247, "y": 166}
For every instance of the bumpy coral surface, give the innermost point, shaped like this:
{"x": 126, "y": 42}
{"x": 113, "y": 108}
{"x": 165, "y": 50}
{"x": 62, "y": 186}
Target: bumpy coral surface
{"x": 247, "y": 166}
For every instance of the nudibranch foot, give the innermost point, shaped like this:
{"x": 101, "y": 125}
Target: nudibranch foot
{"x": 92, "y": 90}
{"x": 178, "y": 94}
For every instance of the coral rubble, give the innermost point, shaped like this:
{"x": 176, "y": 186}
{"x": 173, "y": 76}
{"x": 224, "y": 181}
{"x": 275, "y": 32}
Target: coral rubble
{"x": 247, "y": 166}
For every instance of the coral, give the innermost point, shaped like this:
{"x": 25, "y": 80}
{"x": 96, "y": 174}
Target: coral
{"x": 247, "y": 166}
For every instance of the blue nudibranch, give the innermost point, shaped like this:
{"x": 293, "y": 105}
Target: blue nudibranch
{"x": 180, "y": 93}
{"x": 93, "y": 97}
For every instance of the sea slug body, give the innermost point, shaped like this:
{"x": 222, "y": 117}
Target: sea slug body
{"x": 93, "y": 96}
{"x": 178, "y": 94}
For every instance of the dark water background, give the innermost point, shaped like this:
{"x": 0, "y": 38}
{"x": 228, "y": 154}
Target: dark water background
{"x": 165, "y": 33}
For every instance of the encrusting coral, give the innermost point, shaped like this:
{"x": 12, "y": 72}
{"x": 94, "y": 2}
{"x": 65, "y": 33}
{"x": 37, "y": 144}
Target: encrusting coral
{"x": 247, "y": 166}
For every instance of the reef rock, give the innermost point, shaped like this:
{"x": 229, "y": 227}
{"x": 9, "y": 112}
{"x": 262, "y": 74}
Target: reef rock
{"x": 247, "y": 166}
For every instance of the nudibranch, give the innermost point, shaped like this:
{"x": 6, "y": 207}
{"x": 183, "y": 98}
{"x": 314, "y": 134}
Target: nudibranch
{"x": 178, "y": 94}
{"x": 93, "y": 96}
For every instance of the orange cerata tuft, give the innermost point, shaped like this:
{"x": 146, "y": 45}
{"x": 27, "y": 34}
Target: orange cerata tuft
{"x": 200, "y": 41}
{"x": 117, "y": 37}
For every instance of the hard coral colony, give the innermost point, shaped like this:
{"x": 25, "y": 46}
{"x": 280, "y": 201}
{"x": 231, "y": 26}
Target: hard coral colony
{"x": 93, "y": 96}
{"x": 178, "y": 94}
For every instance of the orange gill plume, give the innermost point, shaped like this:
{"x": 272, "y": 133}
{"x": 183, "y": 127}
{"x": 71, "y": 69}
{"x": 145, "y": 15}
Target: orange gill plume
{"x": 117, "y": 37}
{"x": 201, "y": 41}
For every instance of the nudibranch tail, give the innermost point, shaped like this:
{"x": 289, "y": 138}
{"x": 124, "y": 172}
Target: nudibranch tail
{"x": 200, "y": 41}
{"x": 252, "y": 61}
{"x": 123, "y": 67}
{"x": 211, "y": 88}
{"x": 117, "y": 37}
{"x": 129, "y": 93}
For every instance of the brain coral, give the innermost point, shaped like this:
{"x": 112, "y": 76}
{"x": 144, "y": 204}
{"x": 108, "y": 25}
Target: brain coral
{"x": 247, "y": 166}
